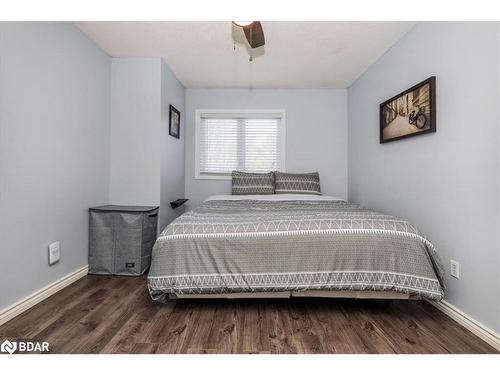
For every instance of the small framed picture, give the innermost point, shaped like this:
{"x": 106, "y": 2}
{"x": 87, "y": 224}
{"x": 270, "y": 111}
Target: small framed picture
{"x": 174, "y": 128}
{"x": 410, "y": 113}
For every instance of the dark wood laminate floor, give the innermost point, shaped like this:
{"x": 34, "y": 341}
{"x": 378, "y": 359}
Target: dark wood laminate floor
{"x": 101, "y": 314}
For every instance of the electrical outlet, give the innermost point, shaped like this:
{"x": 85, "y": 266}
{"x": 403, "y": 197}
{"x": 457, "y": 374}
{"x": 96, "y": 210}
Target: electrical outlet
{"x": 54, "y": 252}
{"x": 454, "y": 268}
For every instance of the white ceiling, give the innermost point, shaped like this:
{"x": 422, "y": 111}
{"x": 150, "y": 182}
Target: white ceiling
{"x": 296, "y": 54}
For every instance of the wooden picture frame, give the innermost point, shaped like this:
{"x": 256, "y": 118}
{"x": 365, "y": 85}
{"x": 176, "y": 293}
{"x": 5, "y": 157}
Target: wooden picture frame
{"x": 410, "y": 113}
{"x": 174, "y": 127}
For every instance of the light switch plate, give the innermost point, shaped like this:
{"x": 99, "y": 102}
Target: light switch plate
{"x": 454, "y": 268}
{"x": 54, "y": 252}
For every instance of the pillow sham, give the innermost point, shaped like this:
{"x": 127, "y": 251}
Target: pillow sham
{"x": 252, "y": 183}
{"x": 297, "y": 183}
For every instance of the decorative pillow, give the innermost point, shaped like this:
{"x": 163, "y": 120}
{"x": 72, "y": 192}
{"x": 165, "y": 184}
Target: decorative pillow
{"x": 252, "y": 183}
{"x": 297, "y": 183}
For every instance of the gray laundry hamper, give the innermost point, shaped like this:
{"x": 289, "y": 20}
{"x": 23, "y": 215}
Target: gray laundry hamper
{"x": 121, "y": 239}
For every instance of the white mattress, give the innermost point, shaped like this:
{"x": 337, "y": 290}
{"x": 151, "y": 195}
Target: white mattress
{"x": 274, "y": 197}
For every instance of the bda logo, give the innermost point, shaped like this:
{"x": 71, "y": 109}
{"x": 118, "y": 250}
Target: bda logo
{"x": 8, "y": 347}
{"x": 24, "y": 346}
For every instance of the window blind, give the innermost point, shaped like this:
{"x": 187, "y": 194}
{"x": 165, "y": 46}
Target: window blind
{"x": 248, "y": 143}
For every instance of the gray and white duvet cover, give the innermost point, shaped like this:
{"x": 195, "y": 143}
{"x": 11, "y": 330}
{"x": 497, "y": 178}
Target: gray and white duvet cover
{"x": 234, "y": 246}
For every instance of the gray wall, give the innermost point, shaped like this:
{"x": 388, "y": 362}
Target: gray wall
{"x": 498, "y": 156}
{"x": 54, "y": 143}
{"x": 172, "y": 149}
{"x": 146, "y": 163}
{"x": 135, "y": 128}
{"x": 316, "y": 134}
{"x": 446, "y": 183}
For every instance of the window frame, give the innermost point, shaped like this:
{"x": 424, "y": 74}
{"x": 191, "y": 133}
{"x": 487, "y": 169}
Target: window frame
{"x": 198, "y": 114}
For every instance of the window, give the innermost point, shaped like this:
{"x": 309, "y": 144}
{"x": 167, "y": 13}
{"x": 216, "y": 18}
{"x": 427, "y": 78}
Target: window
{"x": 248, "y": 141}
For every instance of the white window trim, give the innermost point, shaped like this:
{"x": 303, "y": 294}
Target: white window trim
{"x": 280, "y": 112}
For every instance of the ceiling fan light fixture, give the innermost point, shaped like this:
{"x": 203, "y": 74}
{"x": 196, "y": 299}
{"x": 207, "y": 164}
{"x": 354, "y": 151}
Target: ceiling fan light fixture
{"x": 253, "y": 32}
{"x": 243, "y": 23}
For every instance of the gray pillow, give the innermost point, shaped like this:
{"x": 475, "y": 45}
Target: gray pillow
{"x": 297, "y": 183}
{"x": 252, "y": 183}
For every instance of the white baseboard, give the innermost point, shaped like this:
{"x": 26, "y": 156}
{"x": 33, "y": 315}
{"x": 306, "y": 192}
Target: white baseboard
{"x": 469, "y": 323}
{"x": 21, "y": 306}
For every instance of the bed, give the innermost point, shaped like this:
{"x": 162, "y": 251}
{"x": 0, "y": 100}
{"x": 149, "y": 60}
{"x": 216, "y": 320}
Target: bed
{"x": 285, "y": 245}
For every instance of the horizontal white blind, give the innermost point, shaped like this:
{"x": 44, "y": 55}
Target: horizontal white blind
{"x": 249, "y": 143}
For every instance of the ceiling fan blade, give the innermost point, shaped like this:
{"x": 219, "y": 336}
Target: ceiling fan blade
{"x": 254, "y": 34}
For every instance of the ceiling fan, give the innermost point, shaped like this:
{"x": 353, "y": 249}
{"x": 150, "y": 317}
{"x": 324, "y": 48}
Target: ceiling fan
{"x": 253, "y": 32}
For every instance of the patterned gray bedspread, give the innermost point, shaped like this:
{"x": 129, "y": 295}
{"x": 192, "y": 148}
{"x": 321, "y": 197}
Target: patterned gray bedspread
{"x": 227, "y": 246}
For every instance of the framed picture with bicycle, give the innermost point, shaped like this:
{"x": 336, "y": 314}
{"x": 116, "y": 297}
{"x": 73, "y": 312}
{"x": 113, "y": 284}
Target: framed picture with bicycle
{"x": 410, "y": 113}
